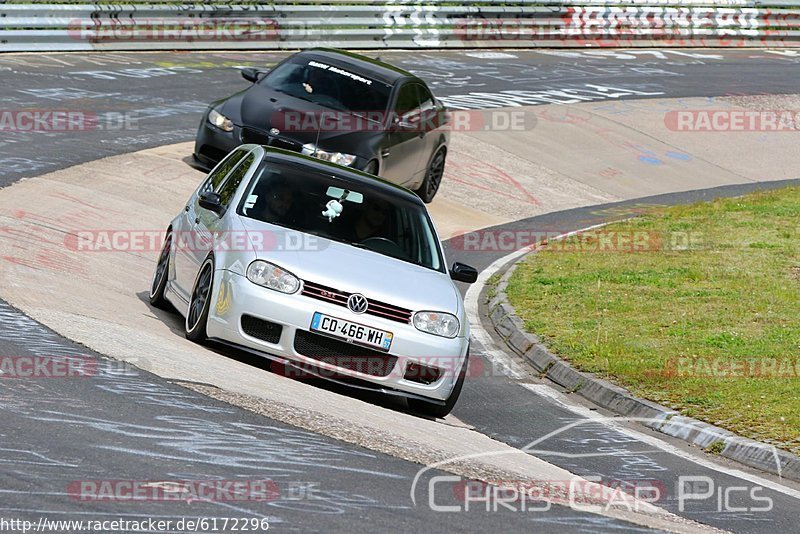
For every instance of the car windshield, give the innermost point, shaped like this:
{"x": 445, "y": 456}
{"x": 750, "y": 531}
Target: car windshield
{"x": 294, "y": 196}
{"x": 329, "y": 85}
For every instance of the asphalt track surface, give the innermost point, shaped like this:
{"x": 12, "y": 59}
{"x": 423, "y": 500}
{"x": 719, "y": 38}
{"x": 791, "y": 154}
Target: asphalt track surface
{"x": 126, "y": 424}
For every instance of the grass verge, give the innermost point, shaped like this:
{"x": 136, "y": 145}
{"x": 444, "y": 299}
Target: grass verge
{"x": 695, "y": 307}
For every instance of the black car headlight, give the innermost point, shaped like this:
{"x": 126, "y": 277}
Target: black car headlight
{"x": 340, "y": 158}
{"x": 220, "y": 121}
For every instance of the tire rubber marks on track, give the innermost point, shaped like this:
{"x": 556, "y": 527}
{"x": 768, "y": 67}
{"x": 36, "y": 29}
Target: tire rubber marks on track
{"x": 481, "y": 175}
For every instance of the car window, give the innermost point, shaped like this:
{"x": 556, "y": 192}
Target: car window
{"x": 428, "y": 111}
{"x": 295, "y": 197}
{"x": 228, "y": 189}
{"x": 426, "y": 99}
{"x": 332, "y": 85}
{"x": 219, "y": 173}
{"x": 407, "y": 101}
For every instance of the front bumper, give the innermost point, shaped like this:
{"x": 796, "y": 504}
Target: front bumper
{"x": 212, "y": 144}
{"x": 234, "y": 296}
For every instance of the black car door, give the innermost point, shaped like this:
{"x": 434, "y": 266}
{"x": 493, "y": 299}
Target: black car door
{"x": 429, "y": 124}
{"x": 405, "y": 142}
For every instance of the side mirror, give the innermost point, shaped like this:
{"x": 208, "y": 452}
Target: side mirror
{"x": 403, "y": 124}
{"x": 463, "y": 273}
{"x": 250, "y": 74}
{"x": 212, "y": 202}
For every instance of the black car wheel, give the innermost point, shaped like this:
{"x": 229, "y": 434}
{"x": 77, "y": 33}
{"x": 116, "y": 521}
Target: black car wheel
{"x": 433, "y": 177}
{"x": 441, "y": 410}
{"x": 160, "y": 277}
{"x": 197, "y": 316}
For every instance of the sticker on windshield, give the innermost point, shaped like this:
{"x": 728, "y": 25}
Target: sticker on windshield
{"x": 251, "y": 201}
{"x": 337, "y": 70}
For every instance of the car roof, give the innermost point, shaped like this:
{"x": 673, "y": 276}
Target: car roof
{"x": 377, "y": 69}
{"x": 354, "y": 176}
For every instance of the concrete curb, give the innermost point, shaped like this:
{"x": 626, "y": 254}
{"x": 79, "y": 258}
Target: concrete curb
{"x": 747, "y": 451}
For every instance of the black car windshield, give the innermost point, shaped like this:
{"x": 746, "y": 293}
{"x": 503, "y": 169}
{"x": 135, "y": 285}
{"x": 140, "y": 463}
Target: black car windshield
{"x": 296, "y": 197}
{"x": 328, "y": 85}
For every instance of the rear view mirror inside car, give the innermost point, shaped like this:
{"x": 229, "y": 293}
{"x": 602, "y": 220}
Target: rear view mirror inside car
{"x": 341, "y": 195}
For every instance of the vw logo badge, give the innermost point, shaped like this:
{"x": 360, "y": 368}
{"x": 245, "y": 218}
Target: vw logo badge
{"x": 357, "y": 303}
{"x": 274, "y": 131}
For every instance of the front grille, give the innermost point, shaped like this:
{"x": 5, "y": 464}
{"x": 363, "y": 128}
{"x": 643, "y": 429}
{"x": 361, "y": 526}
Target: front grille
{"x": 251, "y": 135}
{"x": 261, "y": 329}
{"x": 344, "y": 355}
{"x": 376, "y": 307}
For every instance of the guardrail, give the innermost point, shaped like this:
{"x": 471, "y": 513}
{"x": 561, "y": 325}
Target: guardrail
{"x": 163, "y": 24}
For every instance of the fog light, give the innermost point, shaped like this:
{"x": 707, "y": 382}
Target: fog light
{"x": 422, "y": 374}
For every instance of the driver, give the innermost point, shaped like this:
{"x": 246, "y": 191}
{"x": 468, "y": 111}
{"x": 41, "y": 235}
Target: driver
{"x": 314, "y": 80}
{"x": 373, "y": 222}
{"x": 280, "y": 200}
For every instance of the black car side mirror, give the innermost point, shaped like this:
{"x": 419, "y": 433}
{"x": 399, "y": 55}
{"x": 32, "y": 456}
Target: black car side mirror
{"x": 405, "y": 125}
{"x": 250, "y": 74}
{"x": 463, "y": 273}
{"x": 402, "y": 124}
{"x": 212, "y": 202}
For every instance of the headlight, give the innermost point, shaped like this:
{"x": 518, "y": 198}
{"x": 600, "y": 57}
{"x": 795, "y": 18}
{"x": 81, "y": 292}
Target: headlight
{"x": 273, "y": 277}
{"x": 436, "y": 323}
{"x": 340, "y": 158}
{"x": 220, "y": 121}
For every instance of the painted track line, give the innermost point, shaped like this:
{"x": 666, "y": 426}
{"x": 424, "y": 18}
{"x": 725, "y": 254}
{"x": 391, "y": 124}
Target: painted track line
{"x": 561, "y": 400}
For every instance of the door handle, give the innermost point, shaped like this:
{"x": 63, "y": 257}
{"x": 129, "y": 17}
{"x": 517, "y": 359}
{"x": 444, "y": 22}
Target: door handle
{"x": 197, "y": 220}
{"x": 186, "y": 209}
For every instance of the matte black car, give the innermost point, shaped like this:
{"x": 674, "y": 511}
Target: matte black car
{"x": 341, "y": 107}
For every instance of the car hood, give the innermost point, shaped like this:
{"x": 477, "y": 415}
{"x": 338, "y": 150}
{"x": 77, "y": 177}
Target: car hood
{"x": 263, "y": 108}
{"x": 353, "y": 270}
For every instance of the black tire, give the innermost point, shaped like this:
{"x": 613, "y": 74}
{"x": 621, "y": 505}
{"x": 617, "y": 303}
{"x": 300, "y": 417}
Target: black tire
{"x": 371, "y": 168}
{"x": 433, "y": 177}
{"x": 161, "y": 275}
{"x": 440, "y": 410}
{"x": 200, "y": 303}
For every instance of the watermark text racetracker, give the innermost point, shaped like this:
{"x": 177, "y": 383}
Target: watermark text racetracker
{"x": 262, "y": 490}
{"x": 732, "y": 120}
{"x": 44, "y": 366}
{"x": 728, "y": 368}
{"x": 193, "y": 241}
{"x": 602, "y": 240}
{"x": 176, "y": 29}
{"x": 63, "y": 120}
{"x": 378, "y": 121}
{"x": 40, "y": 366}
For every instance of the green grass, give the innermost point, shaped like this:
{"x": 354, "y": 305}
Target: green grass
{"x": 638, "y": 317}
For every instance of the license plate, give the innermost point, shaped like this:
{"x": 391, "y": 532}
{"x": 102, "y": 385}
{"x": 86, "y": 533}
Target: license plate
{"x": 352, "y": 332}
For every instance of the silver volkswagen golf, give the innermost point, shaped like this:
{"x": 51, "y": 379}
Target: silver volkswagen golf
{"x": 329, "y": 270}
